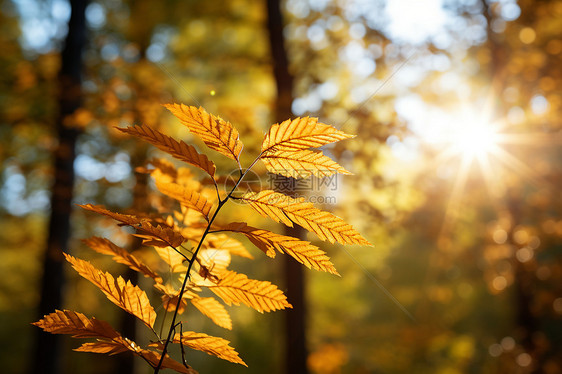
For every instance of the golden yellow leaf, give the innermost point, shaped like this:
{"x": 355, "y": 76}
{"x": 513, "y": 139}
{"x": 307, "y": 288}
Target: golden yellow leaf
{"x": 235, "y": 288}
{"x": 158, "y": 235}
{"x": 211, "y": 345}
{"x": 125, "y": 295}
{"x": 111, "y": 347}
{"x": 301, "y": 164}
{"x": 179, "y": 149}
{"x": 307, "y": 254}
{"x": 172, "y": 258}
{"x": 80, "y": 326}
{"x": 222, "y": 241}
{"x": 121, "y": 255}
{"x": 286, "y": 209}
{"x": 211, "y": 308}
{"x": 167, "y": 363}
{"x": 123, "y": 345}
{"x": 186, "y": 196}
{"x": 217, "y": 133}
{"x": 300, "y": 133}
{"x": 76, "y": 324}
{"x": 216, "y": 260}
{"x": 171, "y": 295}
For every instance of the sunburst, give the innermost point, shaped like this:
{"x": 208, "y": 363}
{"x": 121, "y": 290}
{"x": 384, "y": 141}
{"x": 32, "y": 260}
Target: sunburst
{"x": 471, "y": 137}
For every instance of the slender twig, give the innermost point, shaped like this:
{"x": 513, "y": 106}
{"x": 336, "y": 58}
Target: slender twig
{"x": 182, "y": 348}
{"x": 193, "y": 258}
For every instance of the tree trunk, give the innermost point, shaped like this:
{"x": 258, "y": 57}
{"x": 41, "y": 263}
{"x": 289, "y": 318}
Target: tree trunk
{"x": 46, "y": 350}
{"x": 295, "y": 323}
{"x": 128, "y": 322}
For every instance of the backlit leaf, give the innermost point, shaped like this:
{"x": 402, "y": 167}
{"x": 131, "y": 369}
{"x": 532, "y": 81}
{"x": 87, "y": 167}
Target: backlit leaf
{"x": 186, "y": 196}
{"x": 162, "y": 235}
{"x": 167, "y": 363}
{"x": 123, "y": 344}
{"x": 76, "y": 324}
{"x": 111, "y": 347}
{"x": 286, "y": 209}
{"x": 123, "y": 294}
{"x": 172, "y": 258}
{"x": 302, "y": 164}
{"x": 235, "y": 288}
{"x": 170, "y": 297}
{"x": 214, "y": 310}
{"x": 300, "y": 133}
{"x": 217, "y": 133}
{"x": 211, "y": 345}
{"x": 179, "y": 149}
{"x": 121, "y": 255}
{"x": 222, "y": 241}
{"x": 307, "y": 254}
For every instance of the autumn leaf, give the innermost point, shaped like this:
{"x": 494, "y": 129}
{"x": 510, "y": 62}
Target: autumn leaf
{"x": 216, "y": 260}
{"x": 178, "y": 149}
{"x": 123, "y": 294}
{"x": 222, "y": 241}
{"x": 217, "y": 133}
{"x": 167, "y": 363}
{"x": 235, "y": 288}
{"x": 307, "y": 254}
{"x": 299, "y": 134}
{"x": 80, "y": 326}
{"x": 170, "y": 297}
{"x": 301, "y": 164}
{"x": 286, "y": 209}
{"x": 111, "y": 347}
{"x": 76, "y": 324}
{"x": 172, "y": 258}
{"x": 121, "y": 255}
{"x": 186, "y": 196}
{"x": 211, "y": 308}
{"x": 158, "y": 235}
{"x": 124, "y": 344}
{"x": 211, "y": 345}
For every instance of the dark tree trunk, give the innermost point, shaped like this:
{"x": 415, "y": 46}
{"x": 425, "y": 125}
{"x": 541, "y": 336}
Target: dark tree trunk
{"x": 526, "y": 322}
{"x": 295, "y": 324}
{"x": 128, "y": 322}
{"x": 46, "y": 350}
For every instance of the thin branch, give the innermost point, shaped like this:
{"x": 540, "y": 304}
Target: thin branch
{"x": 193, "y": 258}
{"x": 183, "y": 348}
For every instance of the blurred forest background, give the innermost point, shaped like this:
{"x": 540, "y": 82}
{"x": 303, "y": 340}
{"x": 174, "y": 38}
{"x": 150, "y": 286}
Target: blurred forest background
{"x": 458, "y": 166}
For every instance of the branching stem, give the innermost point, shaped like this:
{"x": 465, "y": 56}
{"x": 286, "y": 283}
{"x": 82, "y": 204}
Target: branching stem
{"x": 192, "y": 261}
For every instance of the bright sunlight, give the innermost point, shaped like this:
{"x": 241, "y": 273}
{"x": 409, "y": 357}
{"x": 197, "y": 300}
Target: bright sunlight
{"x": 475, "y": 135}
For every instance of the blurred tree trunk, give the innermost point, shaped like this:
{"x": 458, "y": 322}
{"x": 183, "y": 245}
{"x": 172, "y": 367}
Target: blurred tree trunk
{"x": 128, "y": 322}
{"x": 46, "y": 349}
{"x": 526, "y": 322}
{"x": 295, "y": 323}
